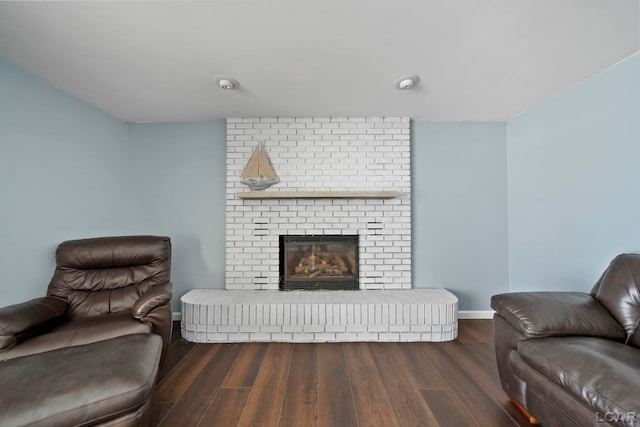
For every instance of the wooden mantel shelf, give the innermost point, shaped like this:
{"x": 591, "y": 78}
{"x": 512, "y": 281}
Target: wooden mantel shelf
{"x": 318, "y": 194}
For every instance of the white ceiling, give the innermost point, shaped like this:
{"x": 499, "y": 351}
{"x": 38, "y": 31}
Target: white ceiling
{"x": 478, "y": 60}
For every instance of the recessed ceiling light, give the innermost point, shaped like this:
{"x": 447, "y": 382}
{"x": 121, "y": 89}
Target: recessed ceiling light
{"x": 226, "y": 82}
{"x": 406, "y": 81}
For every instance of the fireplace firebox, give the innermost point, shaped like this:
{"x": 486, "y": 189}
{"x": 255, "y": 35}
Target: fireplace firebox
{"x": 319, "y": 262}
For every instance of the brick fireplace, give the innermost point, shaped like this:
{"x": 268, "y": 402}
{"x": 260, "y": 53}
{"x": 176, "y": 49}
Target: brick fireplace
{"x": 339, "y": 177}
{"x": 321, "y": 154}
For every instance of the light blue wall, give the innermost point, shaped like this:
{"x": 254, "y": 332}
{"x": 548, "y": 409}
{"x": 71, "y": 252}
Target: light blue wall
{"x": 63, "y": 173}
{"x": 68, "y": 170}
{"x": 574, "y": 182}
{"x": 177, "y": 188}
{"x": 460, "y": 209}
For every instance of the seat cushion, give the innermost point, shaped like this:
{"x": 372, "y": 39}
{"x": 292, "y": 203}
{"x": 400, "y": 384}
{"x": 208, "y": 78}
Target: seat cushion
{"x": 603, "y": 375}
{"x": 83, "y": 330}
{"x": 80, "y": 385}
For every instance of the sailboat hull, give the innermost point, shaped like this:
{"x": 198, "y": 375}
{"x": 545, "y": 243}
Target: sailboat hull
{"x": 256, "y": 184}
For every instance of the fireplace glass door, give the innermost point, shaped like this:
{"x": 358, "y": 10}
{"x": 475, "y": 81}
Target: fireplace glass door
{"x": 319, "y": 262}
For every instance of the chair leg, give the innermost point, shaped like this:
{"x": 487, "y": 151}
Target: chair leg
{"x": 524, "y": 412}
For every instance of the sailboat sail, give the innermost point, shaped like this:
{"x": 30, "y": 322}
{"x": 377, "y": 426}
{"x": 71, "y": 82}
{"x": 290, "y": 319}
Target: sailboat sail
{"x": 258, "y": 174}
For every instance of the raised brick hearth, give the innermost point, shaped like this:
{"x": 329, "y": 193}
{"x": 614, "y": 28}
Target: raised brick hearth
{"x": 211, "y": 315}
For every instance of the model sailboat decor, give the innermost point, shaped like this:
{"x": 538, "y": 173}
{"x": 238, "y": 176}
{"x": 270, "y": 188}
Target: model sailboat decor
{"x": 258, "y": 174}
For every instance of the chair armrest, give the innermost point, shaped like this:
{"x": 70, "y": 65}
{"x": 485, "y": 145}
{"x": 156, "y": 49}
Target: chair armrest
{"x": 546, "y": 314}
{"x": 155, "y": 297}
{"x": 19, "y": 321}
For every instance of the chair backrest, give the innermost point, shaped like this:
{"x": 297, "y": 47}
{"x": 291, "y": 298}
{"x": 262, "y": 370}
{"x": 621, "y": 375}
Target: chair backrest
{"x": 108, "y": 274}
{"x": 618, "y": 289}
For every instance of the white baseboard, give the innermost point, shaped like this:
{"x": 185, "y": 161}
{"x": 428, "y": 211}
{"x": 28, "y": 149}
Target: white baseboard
{"x": 475, "y": 314}
{"x": 463, "y": 314}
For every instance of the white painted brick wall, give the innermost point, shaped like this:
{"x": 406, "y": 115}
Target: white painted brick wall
{"x": 325, "y": 154}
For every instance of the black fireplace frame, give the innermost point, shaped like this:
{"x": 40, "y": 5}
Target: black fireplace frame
{"x": 319, "y": 283}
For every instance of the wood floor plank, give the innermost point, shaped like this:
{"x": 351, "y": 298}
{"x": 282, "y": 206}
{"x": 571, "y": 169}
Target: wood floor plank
{"x": 475, "y": 369}
{"x": 335, "y": 400}
{"x": 184, "y": 374}
{"x": 244, "y": 371}
{"x": 486, "y": 327}
{"x": 372, "y": 403}
{"x": 300, "y": 406}
{"x": 406, "y": 400}
{"x": 265, "y": 400}
{"x": 177, "y": 350}
{"x": 447, "y": 409}
{"x": 213, "y": 373}
{"x": 483, "y": 409}
{"x": 158, "y": 411}
{"x": 425, "y": 373}
{"x": 483, "y": 356}
{"x": 188, "y": 413}
{"x": 475, "y": 330}
{"x": 226, "y": 407}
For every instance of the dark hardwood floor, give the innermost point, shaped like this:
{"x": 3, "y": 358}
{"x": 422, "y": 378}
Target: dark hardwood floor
{"x": 335, "y": 384}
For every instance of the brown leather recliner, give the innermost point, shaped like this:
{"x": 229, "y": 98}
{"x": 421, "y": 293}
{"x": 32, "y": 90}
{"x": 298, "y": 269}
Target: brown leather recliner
{"x": 102, "y": 288}
{"x": 573, "y": 358}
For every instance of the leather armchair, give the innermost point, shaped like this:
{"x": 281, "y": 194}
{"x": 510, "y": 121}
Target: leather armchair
{"x": 101, "y": 288}
{"x": 573, "y": 358}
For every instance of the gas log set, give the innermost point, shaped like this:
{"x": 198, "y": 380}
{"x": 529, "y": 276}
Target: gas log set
{"x": 319, "y": 262}
{"x": 324, "y": 263}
